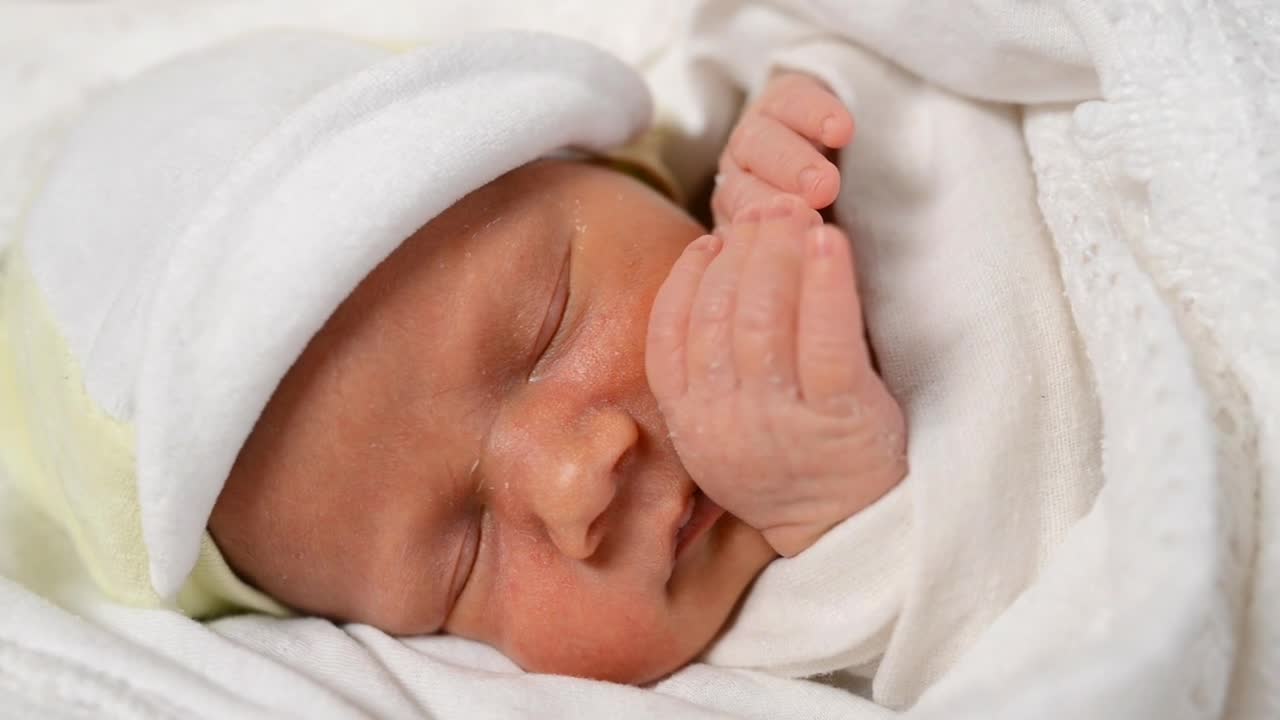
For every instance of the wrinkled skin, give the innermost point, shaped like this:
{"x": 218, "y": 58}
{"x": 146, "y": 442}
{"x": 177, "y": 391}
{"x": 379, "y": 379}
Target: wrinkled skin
{"x": 760, "y": 366}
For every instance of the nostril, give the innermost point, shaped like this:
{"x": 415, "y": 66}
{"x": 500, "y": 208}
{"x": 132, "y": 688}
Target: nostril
{"x": 578, "y": 483}
{"x": 628, "y": 456}
{"x": 595, "y": 536}
{"x": 579, "y": 542}
{"x": 687, "y": 515}
{"x": 597, "y": 530}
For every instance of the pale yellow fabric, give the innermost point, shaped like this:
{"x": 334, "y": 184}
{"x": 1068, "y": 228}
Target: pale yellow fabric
{"x": 642, "y": 158}
{"x": 77, "y": 464}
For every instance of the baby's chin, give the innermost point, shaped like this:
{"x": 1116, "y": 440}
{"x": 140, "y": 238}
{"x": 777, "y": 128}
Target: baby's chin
{"x": 636, "y": 658}
{"x": 626, "y": 652}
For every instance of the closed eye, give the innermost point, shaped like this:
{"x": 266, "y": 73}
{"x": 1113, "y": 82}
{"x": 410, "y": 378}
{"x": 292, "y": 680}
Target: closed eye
{"x": 468, "y": 556}
{"x": 554, "y": 318}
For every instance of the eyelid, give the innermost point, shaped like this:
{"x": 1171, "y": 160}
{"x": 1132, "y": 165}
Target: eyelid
{"x": 554, "y": 320}
{"x": 465, "y": 566}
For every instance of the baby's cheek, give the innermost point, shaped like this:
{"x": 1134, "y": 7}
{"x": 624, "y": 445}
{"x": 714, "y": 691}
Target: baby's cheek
{"x": 571, "y": 627}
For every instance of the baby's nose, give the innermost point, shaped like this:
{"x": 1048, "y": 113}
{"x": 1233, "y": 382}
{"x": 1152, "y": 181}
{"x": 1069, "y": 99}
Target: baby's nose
{"x": 569, "y": 474}
{"x": 573, "y": 509}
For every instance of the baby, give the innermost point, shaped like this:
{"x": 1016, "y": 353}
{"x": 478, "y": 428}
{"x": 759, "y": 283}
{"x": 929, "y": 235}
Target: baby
{"x": 412, "y": 364}
{"x": 565, "y": 421}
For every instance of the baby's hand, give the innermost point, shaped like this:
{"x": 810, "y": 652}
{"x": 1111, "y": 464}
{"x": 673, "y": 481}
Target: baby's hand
{"x": 757, "y": 358}
{"x": 778, "y": 146}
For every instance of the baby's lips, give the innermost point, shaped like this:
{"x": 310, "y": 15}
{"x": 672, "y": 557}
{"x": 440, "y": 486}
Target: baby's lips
{"x": 702, "y": 513}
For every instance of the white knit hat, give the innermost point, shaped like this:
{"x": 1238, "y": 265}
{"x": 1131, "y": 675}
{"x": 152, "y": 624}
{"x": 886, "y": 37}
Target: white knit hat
{"x": 207, "y": 218}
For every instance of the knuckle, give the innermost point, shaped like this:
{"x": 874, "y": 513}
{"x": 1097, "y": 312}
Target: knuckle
{"x": 818, "y": 108}
{"x": 776, "y": 423}
{"x": 841, "y": 404}
{"x": 793, "y": 91}
{"x": 833, "y": 348}
{"x": 827, "y": 369}
{"x": 779, "y": 104}
{"x": 781, "y": 387}
{"x": 788, "y": 84}
{"x": 782, "y": 157}
{"x": 750, "y": 132}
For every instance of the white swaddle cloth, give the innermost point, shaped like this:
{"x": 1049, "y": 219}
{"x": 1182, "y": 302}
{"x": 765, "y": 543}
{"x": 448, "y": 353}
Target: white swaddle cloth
{"x": 1159, "y": 199}
{"x": 1066, "y": 295}
{"x": 207, "y": 218}
{"x": 964, "y": 305}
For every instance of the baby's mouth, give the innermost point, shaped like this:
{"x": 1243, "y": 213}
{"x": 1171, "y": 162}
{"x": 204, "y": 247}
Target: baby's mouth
{"x": 700, "y": 514}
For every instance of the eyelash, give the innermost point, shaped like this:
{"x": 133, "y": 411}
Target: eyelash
{"x": 475, "y": 552}
{"x": 476, "y": 528}
{"x": 561, "y": 297}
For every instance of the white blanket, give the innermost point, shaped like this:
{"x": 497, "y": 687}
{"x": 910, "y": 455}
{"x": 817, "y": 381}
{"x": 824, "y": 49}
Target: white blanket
{"x": 1160, "y": 199}
{"x": 1163, "y": 566}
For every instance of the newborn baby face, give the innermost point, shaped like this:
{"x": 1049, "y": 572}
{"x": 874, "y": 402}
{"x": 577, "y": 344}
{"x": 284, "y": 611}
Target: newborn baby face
{"x": 469, "y": 444}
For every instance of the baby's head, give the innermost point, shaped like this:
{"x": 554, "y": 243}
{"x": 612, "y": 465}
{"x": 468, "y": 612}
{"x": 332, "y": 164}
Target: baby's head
{"x": 227, "y": 303}
{"x": 469, "y": 444}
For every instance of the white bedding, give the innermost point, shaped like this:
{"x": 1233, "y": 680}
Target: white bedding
{"x": 1161, "y": 201}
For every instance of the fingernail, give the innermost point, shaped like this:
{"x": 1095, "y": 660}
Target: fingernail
{"x": 809, "y": 178}
{"x": 706, "y": 243}
{"x": 829, "y": 128}
{"x": 819, "y": 242}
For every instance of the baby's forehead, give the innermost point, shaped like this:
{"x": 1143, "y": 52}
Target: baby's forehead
{"x": 465, "y": 293}
{"x": 512, "y": 219}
